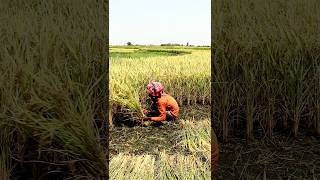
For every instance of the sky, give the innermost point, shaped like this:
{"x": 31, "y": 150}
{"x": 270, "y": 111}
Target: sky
{"x": 157, "y": 22}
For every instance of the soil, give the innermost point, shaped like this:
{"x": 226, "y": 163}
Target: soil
{"x": 145, "y": 140}
{"x": 280, "y": 158}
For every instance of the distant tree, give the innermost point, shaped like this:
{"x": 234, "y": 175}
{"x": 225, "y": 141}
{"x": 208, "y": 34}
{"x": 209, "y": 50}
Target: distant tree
{"x": 187, "y": 43}
{"x": 129, "y": 43}
{"x": 171, "y": 44}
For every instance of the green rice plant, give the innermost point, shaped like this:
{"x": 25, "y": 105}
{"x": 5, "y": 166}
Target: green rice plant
{"x": 180, "y": 166}
{"x": 132, "y": 167}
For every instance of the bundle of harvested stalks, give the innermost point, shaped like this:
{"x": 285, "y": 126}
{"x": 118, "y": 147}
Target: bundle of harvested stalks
{"x": 196, "y": 137}
{"x": 179, "y": 166}
{"x": 134, "y": 167}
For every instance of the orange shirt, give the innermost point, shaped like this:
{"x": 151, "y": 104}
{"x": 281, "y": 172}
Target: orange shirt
{"x": 166, "y": 103}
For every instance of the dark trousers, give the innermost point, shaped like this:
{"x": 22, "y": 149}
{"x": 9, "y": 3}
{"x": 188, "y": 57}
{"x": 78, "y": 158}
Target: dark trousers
{"x": 155, "y": 113}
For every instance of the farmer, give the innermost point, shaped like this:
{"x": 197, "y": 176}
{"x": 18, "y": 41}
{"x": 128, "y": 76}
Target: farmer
{"x": 163, "y": 107}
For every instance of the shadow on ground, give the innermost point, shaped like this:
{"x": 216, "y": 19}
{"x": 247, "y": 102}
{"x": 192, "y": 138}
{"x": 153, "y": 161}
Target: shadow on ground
{"x": 284, "y": 158}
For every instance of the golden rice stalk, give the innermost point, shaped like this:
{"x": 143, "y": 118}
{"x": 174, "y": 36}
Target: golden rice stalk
{"x": 196, "y": 137}
{"x": 132, "y": 167}
{"x": 180, "y": 166}
{"x": 184, "y": 75}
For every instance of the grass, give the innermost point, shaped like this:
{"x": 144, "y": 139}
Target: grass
{"x": 144, "y": 52}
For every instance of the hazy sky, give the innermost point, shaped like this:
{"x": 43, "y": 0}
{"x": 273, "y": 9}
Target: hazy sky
{"x": 160, "y": 21}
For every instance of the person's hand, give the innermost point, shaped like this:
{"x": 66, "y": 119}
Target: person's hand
{"x": 147, "y": 118}
{"x": 145, "y": 111}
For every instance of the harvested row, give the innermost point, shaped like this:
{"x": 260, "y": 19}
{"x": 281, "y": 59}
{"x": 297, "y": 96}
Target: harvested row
{"x": 167, "y": 167}
{"x": 183, "y": 167}
{"x": 196, "y": 137}
{"x": 191, "y": 161}
{"x": 134, "y": 167}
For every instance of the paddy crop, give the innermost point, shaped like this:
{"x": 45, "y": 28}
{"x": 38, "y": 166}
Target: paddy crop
{"x": 266, "y": 67}
{"x": 184, "y": 76}
{"x": 179, "y": 151}
{"x": 52, "y": 88}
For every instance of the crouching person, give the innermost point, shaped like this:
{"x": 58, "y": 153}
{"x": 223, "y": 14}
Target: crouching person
{"x": 163, "y": 107}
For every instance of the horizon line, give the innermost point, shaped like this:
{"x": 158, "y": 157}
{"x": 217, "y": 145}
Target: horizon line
{"x": 159, "y": 44}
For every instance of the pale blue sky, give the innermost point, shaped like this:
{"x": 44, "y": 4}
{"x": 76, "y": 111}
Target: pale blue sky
{"x": 159, "y": 21}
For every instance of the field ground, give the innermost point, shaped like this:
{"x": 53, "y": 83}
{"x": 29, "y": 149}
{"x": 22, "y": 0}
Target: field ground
{"x": 161, "y": 149}
{"x": 281, "y": 157}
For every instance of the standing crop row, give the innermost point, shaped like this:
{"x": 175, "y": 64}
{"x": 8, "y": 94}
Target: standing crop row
{"x": 266, "y": 67}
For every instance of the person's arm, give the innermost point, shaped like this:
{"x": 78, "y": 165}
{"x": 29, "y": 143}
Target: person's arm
{"x": 162, "y": 110}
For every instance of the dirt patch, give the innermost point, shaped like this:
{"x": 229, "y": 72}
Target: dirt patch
{"x": 197, "y": 112}
{"x": 280, "y": 158}
{"x": 141, "y": 140}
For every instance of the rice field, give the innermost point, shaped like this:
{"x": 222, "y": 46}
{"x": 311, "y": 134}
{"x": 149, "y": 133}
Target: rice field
{"x": 52, "y": 88}
{"x": 180, "y": 151}
{"x": 266, "y": 68}
{"x": 186, "y": 77}
{"x": 266, "y": 88}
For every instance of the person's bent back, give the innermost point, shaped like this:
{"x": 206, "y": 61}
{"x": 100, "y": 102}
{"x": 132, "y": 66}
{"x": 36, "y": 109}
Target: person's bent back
{"x": 168, "y": 108}
{"x": 163, "y": 106}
